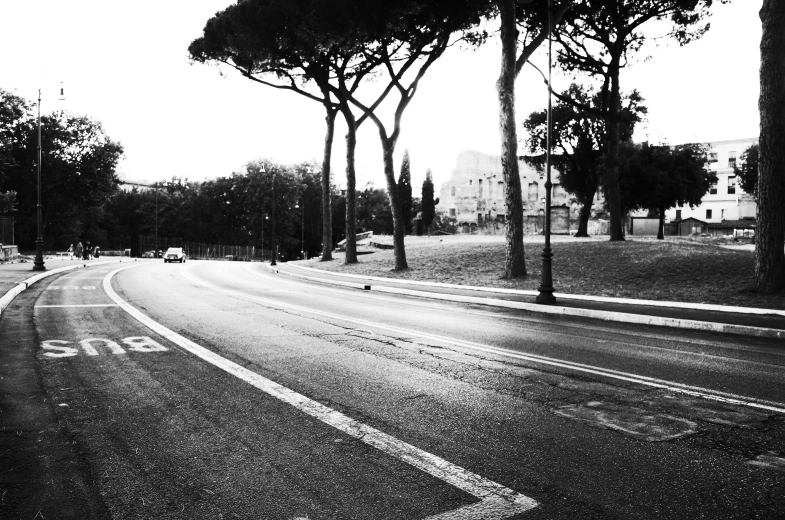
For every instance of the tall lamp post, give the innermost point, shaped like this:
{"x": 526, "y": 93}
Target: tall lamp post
{"x": 38, "y": 263}
{"x": 274, "y": 245}
{"x": 546, "y": 284}
{"x": 300, "y": 204}
{"x": 155, "y": 253}
{"x": 157, "y": 186}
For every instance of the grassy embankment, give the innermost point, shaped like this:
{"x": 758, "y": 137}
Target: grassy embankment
{"x": 672, "y": 270}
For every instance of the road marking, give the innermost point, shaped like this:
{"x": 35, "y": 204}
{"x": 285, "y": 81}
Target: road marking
{"x": 670, "y": 386}
{"x": 77, "y": 305}
{"x": 497, "y": 502}
{"x": 70, "y": 287}
{"x": 54, "y": 348}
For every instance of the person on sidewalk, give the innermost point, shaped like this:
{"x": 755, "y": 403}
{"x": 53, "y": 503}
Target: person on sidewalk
{"x": 78, "y": 250}
{"x": 71, "y": 252}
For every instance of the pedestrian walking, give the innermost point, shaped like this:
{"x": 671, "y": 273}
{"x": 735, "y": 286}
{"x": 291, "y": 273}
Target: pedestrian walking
{"x": 88, "y": 251}
{"x": 71, "y": 252}
{"x": 78, "y": 250}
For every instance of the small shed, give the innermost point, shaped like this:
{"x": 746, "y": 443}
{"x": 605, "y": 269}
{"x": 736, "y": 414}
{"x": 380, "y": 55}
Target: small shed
{"x": 691, "y": 226}
{"x": 735, "y": 228}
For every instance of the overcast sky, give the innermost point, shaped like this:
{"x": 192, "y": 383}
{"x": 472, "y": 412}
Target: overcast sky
{"x": 126, "y": 64}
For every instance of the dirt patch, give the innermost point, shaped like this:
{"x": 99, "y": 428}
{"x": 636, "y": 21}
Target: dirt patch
{"x": 666, "y": 270}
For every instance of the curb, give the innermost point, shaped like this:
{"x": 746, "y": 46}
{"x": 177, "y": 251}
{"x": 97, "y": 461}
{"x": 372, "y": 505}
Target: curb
{"x": 8, "y": 297}
{"x": 524, "y": 292}
{"x": 622, "y": 317}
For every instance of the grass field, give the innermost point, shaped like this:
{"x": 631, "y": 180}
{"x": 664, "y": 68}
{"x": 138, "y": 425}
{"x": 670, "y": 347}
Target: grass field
{"x": 670, "y": 270}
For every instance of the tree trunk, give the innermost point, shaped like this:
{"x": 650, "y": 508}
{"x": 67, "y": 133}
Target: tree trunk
{"x": 351, "y": 210}
{"x": 583, "y": 219}
{"x": 327, "y": 219}
{"x": 399, "y": 230}
{"x": 611, "y": 177}
{"x": 770, "y": 232}
{"x": 515, "y": 262}
{"x": 661, "y": 226}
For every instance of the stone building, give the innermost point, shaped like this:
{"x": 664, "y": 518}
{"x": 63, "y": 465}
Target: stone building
{"x": 474, "y": 195}
{"x": 725, "y": 200}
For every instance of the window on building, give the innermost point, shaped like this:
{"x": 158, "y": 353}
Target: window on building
{"x": 713, "y": 189}
{"x": 479, "y": 182}
{"x": 470, "y": 182}
{"x": 452, "y": 212}
{"x": 722, "y": 214}
{"x": 533, "y": 191}
{"x": 678, "y": 214}
{"x": 708, "y": 214}
{"x": 712, "y": 157}
{"x": 452, "y": 191}
{"x": 731, "y": 185}
{"x": 731, "y": 159}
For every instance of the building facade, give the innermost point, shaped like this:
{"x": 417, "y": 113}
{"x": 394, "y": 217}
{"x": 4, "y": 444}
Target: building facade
{"x": 725, "y": 200}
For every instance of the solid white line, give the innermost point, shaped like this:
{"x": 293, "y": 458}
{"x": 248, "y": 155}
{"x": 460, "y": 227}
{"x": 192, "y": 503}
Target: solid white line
{"x": 671, "y": 386}
{"x": 77, "y": 305}
{"x": 497, "y": 502}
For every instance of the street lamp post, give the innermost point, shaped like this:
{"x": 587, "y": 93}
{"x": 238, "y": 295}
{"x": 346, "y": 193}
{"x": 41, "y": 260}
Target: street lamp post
{"x": 300, "y": 204}
{"x": 546, "y": 285}
{"x": 155, "y": 253}
{"x": 38, "y": 264}
{"x": 274, "y": 245}
{"x": 157, "y": 186}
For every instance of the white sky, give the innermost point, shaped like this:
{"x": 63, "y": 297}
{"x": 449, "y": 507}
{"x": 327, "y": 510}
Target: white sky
{"x": 126, "y": 65}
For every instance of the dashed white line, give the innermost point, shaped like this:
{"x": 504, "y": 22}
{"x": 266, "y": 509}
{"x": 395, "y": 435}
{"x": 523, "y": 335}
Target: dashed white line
{"x": 670, "y": 386}
{"x": 497, "y": 502}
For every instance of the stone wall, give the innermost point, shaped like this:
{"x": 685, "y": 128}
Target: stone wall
{"x": 9, "y": 253}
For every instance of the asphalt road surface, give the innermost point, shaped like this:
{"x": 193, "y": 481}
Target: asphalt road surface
{"x": 220, "y": 390}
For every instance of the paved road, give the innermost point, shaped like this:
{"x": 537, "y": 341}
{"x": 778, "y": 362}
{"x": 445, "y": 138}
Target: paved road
{"x": 245, "y": 395}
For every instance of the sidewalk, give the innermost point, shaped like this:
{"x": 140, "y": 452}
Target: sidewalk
{"x": 717, "y": 318}
{"x": 17, "y": 276}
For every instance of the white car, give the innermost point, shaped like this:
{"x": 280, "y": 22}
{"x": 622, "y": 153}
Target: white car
{"x": 174, "y": 254}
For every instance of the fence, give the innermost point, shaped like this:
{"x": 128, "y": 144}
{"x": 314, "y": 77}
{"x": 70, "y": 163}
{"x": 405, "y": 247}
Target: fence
{"x": 222, "y": 252}
{"x": 201, "y": 251}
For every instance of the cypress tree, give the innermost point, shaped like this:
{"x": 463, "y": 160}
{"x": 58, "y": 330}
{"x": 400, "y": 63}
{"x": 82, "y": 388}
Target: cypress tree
{"x": 428, "y": 203}
{"x": 405, "y": 192}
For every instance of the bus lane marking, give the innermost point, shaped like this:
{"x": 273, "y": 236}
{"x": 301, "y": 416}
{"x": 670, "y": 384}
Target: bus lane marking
{"x": 76, "y": 305}
{"x": 55, "y": 348}
{"x": 497, "y": 502}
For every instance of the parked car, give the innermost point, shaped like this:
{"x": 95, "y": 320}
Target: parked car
{"x": 174, "y": 254}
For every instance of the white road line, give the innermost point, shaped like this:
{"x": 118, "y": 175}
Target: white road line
{"x": 77, "y": 305}
{"x": 670, "y": 386}
{"x": 496, "y": 501}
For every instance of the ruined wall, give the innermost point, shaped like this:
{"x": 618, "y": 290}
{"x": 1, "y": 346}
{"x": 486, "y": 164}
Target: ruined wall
{"x": 474, "y": 193}
{"x": 9, "y": 253}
